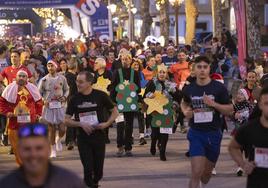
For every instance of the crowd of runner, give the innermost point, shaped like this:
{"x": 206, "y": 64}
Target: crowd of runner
{"x": 81, "y": 88}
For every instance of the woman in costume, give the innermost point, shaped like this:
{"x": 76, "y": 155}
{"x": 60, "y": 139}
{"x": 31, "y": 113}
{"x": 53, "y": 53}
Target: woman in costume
{"x": 158, "y": 97}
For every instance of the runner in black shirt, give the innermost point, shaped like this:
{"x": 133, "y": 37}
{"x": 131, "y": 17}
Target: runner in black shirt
{"x": 204, "y": 101}
{"x": 253, "y": 138}
{"x": 87, "y": 107}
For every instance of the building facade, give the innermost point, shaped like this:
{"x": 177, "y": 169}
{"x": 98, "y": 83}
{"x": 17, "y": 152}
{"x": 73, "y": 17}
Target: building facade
{"x": 203, "y": 24}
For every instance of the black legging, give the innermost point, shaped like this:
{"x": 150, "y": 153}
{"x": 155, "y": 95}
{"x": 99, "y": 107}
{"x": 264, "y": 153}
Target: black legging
{"x": 141, "y": 122}
{"x": 161, "y": 138}
{"x": 125, "y": 130}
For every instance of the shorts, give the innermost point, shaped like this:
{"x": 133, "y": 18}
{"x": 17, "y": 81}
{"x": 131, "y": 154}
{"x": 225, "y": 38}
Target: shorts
{"x": 207, "y": 144}
{"x": 53, "y": 116}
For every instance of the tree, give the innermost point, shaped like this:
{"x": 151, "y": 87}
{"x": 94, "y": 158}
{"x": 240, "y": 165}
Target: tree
{"x": 164, "y": 19}
{"x": 191, "y": 16}
{"x": 216, "y": 7}
{"x": 253, "y": 29}
{"x": 146, "y": 19}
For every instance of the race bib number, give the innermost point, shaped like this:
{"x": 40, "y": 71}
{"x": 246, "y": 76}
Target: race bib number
{"x": 25, "y": 118}
{"x": 54, "y": 104}
{"x": 203, "y": 117}
{"x": 261, "y": 157}
{"x": 89, "y": 117}
{"x": 165, "y": 130}
{"x": 120, "y": 118}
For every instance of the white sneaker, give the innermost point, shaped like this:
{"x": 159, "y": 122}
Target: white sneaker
{"x": 239, "y": 171}
{"x": 53, "y": 153}
{"x": 214, "y": 172}
{"x": 58, "y": 144}
{"x": 147, "y": 134}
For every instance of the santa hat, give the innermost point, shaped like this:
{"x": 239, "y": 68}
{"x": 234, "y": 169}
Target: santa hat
{"x": 217, "y": 77}
{"x": 53, "y": 63}
{"x": 245, "y": 93}
{"x": 22, "y": 71}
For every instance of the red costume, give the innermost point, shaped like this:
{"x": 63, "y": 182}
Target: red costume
{"x": 35, "y": 109}
{"x": 26, "y": 107}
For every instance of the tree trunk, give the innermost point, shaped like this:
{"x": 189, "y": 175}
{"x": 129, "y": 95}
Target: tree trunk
{"x": 217, "y": 18}
{"x": 191, "y": 16}
{"x": 146, "y": 19}
{"x": 253, "y": 29}
{"x": 164, "y": 21}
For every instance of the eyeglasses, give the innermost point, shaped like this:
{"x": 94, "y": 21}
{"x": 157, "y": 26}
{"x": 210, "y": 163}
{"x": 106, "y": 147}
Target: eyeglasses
{"x": 202, "y": 66}
{"x": 36, "y": 129}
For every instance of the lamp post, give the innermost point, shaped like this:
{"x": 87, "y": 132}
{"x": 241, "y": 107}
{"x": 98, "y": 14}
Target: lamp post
{"x": 176, "y": 4}
{"x": 112, "y": 10}
{"x": 133, "y": 11}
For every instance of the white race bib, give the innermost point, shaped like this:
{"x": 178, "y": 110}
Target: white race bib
{"x": 261, "y": 157}
{"x": 54, "y": 104}
{"x": 165, "y": 130}
{"x": 203, "y": 117}
{"x": 89, "y": 117}
{"x": 25, "y": 118}
{"x": 120, "y": 118}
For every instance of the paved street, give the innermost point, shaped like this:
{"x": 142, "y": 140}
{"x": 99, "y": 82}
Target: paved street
{"x": 143, "y": 170}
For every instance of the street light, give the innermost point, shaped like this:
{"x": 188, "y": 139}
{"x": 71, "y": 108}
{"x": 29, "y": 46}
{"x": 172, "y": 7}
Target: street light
{"x": 157, "y": 7}
{"x": 60, "y": 19}
{"x": 134, "y": 10}
{"x": 112, "y": 8}
{"x": 131, "y": 11}
{"x": 48, "y": 21}
{"x": 176, "y": 4}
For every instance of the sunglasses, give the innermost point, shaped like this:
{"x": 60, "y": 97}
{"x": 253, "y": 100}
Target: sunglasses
{"x": 36, "y": 129}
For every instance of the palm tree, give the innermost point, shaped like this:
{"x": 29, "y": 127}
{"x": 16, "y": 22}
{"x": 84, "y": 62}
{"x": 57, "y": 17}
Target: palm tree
{"x": 146, "y": 19}
{"x": 164, "y": 19}
{"x": 216, "y": 7}
{"x": 253, "y": 29}
{"x": 191, "y": 12}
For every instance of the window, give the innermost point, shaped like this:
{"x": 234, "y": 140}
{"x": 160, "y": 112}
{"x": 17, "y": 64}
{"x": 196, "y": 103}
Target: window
{"x": 201, "y": 26}
{"x": 266, "y": 14}
{"x": 202, "y": 2}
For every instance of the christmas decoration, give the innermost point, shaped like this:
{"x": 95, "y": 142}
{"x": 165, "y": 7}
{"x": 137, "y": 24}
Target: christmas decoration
{"x": 127, "y": 98}
{"x": 165, "y": 119}
{"x": 157, "y": 103}
{"x": 102, "y": 84}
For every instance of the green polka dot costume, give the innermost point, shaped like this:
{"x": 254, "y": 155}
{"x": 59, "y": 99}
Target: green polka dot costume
{"x": 164, "y": 120}
{"x": 127, "y": 98}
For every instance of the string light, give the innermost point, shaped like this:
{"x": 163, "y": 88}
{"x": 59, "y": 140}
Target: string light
{"x": 53, "y": 18}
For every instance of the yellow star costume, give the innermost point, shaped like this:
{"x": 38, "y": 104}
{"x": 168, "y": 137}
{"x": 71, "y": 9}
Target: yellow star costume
{"x": 102, "y": 84}
{"x": 157, "y": 103}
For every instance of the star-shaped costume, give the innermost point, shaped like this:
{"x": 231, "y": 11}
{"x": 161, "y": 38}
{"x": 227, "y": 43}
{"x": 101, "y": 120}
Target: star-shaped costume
{"x": 102, "y": 84}
{"x": 157, "y": 103}
{"x": 126, "y": 82}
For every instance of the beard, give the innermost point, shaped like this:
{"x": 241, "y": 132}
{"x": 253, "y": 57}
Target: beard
{"x": 26, "y": 62}
{"x": 21, "y": 82}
